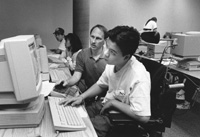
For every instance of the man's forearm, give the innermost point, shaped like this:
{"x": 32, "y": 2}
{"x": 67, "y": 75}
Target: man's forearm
{"x": 125, "y": 108}
{"x": 74, "y": 79}
{"x": 92, "y": 91}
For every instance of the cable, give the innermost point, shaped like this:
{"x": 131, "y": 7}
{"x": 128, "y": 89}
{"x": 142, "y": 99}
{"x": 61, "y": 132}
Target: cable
{"x": 57, "y": 133}
{"x": 195, "y": 84}
{"x": 165, "y": 51}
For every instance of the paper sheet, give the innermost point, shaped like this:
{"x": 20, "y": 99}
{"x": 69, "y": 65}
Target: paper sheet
{"x": 47, "y": 87}
{"x": 53, "y": 65}
{"x": 54, "y": 55}
{"x": 55, "y": 60}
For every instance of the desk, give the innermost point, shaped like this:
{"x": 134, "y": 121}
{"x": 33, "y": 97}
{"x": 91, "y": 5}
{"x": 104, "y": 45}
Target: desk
{"x": 45, "y": 129}
{"x": 194, "y": 74}
{"x": 191, "y": 76}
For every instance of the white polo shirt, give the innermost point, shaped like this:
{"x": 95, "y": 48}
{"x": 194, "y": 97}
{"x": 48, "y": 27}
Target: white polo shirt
{"x": 151, "y": 25}
{"x": 130, "y": 85}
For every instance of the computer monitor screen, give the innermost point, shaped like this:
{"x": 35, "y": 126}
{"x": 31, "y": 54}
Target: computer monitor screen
{"x": 20, "y": 77}
{"x": 188, "y": 45}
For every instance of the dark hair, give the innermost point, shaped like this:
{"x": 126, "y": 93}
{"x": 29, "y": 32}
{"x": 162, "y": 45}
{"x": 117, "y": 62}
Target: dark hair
{"x": 127, "y": 39}
{"x": 75, "y": 42}
{"x": 153, "y": 18}
{"x": 59, "y": 31}
{"x": 102, "y": 28}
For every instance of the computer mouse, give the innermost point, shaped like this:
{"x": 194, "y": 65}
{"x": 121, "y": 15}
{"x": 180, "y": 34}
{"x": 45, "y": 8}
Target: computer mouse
{"x": 60, "y": 86}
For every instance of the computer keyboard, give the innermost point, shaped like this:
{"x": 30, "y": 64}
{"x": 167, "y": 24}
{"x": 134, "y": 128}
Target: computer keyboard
{"x": 65, "y": 118}
{"x": 58, "y": 74}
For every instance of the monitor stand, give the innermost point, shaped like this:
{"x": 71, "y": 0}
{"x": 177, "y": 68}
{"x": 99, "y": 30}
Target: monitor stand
{"x": 29, "y": 115}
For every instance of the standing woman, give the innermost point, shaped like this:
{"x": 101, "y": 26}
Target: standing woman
{"x": 150, "y": 33}
{"x": 73, "y": 46}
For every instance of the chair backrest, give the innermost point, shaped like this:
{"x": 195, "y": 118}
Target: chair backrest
{"x": 163, "y": 99}
{"x": 151, "y": 37}
{"x": 157, "y": 37}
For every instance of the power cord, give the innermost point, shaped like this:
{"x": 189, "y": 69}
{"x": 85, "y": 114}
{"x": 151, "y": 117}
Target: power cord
{"x": 57, "y": 133}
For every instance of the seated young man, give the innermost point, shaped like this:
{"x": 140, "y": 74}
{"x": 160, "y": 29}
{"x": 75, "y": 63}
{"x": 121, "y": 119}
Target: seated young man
{"x": 125, "y": 80}
{"x": 59, "y": 35}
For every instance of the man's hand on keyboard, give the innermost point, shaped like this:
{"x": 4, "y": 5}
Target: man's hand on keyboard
{"x": 63, "y": 82}
{"x": 60, "y": 87}
{"x": 74, "y": 101}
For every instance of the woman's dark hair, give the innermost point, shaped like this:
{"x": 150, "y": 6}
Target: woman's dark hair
{"x": 76, "y": 44}
{"x": 153, "y": 18}
{"x": 126, "y": 38}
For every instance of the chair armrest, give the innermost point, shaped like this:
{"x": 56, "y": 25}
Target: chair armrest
{"x": 118, "y": 118}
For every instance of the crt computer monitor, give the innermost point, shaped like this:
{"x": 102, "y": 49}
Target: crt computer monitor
{"x": 188, "y": 45}
{"x": 20, "y": 77}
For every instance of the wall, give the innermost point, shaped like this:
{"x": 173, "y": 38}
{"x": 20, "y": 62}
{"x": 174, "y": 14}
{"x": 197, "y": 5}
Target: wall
{"x": 81, "y": 20}
{"x": 20, "y": 17}
{"x": 43, "y": 16}
{"x": 173, "y": 15}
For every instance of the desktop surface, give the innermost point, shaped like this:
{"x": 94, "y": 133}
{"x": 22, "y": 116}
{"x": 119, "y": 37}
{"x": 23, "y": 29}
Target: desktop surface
{"x": 45, "y": 129}
{"x": 192, "y": 73}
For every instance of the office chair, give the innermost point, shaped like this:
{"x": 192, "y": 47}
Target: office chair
{"x": 151, "y": 37}
{"x": 163, "y": 103}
